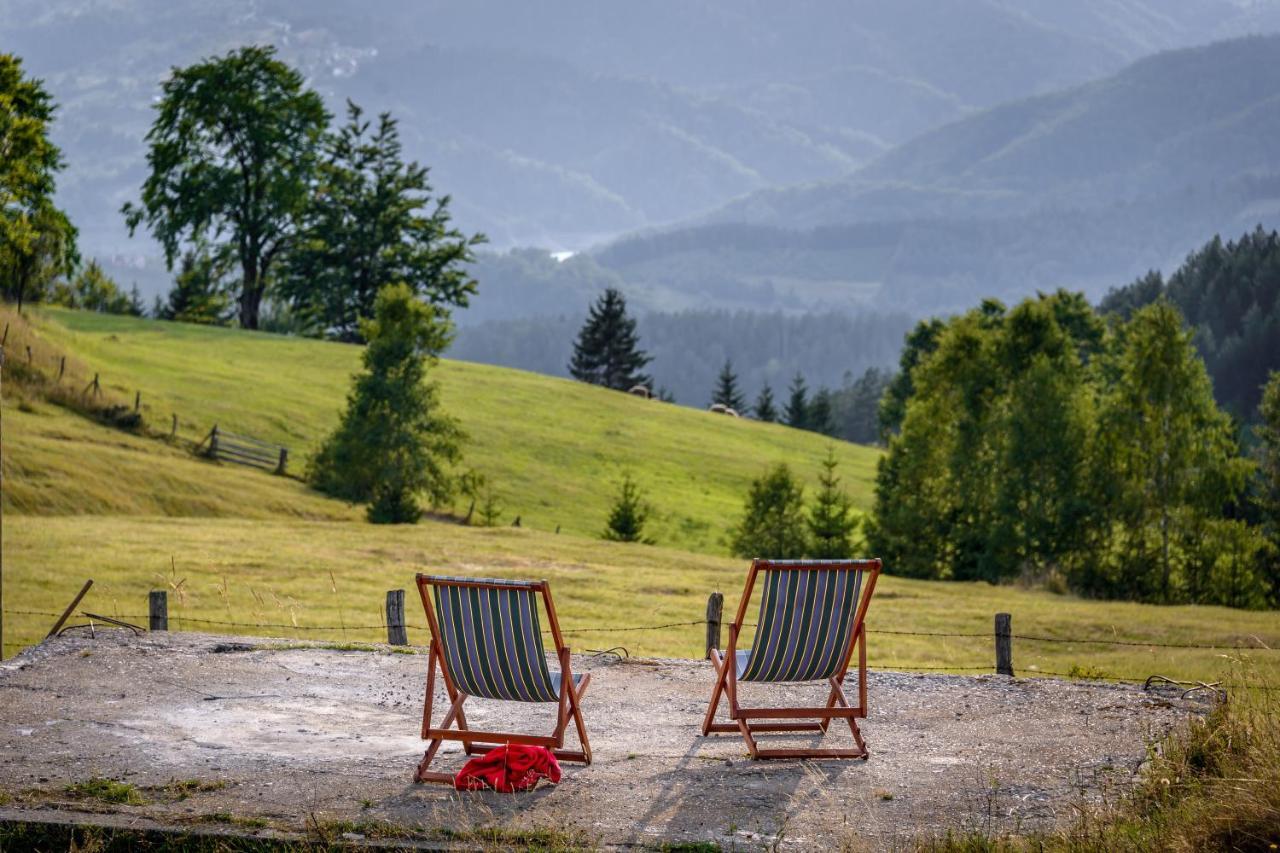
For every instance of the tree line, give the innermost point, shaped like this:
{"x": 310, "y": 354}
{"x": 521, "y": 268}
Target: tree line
{"x": 1053, "y": 442}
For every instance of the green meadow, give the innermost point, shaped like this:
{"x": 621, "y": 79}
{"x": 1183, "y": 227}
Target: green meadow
{"x": 235, "y": 545}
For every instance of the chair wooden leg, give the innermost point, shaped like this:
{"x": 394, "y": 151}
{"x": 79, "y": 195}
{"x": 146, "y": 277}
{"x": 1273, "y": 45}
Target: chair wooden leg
{"x": 709, "y": 724}
{"x": 575, "y": 709}
{"x": 422, "y": 774}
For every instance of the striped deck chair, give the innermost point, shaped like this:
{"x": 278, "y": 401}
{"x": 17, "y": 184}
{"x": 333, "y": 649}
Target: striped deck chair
{"x": 811, "y": 618}
{"x": 486, "y": 638}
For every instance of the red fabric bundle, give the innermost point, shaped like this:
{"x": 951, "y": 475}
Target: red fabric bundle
{"x": 510, "y": 768}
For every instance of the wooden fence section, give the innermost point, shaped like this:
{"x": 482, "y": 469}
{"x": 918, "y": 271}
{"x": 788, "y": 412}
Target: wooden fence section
{"x": 245, "y": 450}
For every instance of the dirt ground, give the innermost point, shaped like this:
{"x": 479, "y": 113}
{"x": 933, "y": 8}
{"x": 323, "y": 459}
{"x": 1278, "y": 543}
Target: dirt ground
{"x": 305, "y": 740}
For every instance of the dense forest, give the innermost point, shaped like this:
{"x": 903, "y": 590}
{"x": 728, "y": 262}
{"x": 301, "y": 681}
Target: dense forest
{"x": 689, "y": 348}
{"x": 1229, "y": 294}
{"x": 1048, "y": 442}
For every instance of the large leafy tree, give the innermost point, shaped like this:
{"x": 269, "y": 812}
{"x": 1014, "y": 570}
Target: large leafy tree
{"x": 232, "y": 158}
{"x": 394, "y": 442}
{"x": 1269, "y": 474}
{"x": 373, "y": 221}
{"x": 37, "y": 241}
{"x": 607, "y": 351}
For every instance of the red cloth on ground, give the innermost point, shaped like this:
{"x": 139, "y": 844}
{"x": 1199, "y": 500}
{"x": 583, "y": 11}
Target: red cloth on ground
{"x": 510, "y": 768}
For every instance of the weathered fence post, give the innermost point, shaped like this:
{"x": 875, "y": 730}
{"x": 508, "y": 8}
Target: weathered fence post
{"x": 284, "y": 460}
{"x": 173, "y": 432}
{"x": 1004, "y": 644}
{"x": 137, "y": 401}
{"x": 62, "y": 367}
{"x": 28, "y": 353}
{"x": 715, "y": 608}
{"x": 213, "y": 442}
{"x": 57, "y": 626}
{"x": 396, "y": 633}
{"x": 158, "y": 607}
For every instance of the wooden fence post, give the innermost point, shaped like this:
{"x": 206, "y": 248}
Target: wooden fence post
{"x": 66, "y": 613}
{"x": 137, "y": 400}
{"x": 173, "y": 433}
{"x": 396, "y": 633}
{"x": 715, "y": 608}
{"x": 158, "y": 601}
{"x": 284, "y": 460}
{"x": 28, "y": 353}
{"x": 62, "y": 367}
{"x": 213, "y": 442}
{"x": 1004, "y": 644}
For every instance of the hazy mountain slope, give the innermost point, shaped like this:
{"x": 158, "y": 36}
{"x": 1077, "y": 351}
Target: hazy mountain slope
{"x": 1084, "y": 188}
{"x": 563, "y": 125}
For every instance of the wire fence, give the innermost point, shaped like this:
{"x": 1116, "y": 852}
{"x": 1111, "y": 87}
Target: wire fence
{"x": 1090, "y": 674}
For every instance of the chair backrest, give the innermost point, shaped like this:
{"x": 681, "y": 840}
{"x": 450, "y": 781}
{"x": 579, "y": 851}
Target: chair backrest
{"x": 490, "y": 636}
{"x": 808, "y": 615}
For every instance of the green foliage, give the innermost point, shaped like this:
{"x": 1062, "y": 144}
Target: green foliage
{"x": 232, "y": 157}
{"x": 920, "y": 342}
{"x": 773, "y": 522}
{"x": 764, "y": 409}
{"x": 1229, "y": 294}
{"x": 108, "y": 791}
{"x": 820, "y": 416}
{"x": 606, "y": 351}
{"x": 832, "y": 523}
{"x": 199, "y": 293}
{"x": 37, "y": 241}
{"x": 373, "y": 222}
{"x": 1268, "y": 432}
{"x": 1034, "y": 442}
{"x": 94, "y": 290}
{"x": 393, "y": 441}
{"x": 727, "y": 393}
{"x": 796, "y": 413}
{"x": 628, "y": 514}
{"x": 856, "y": 405}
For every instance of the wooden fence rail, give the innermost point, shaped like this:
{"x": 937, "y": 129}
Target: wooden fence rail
{"x": 246, "y": 450}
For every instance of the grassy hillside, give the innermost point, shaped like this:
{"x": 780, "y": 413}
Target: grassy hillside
{"x": 233, "y": 545}
{"x": 553, "y": 449}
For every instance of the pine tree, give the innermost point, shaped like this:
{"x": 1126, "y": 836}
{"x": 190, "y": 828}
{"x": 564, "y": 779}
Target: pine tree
{"x": 772, "y": 524}
{"x": 727, "y": 392}
{"x": 831, "y": 519}
{"x": 393, "y": 440}
{"x": 198, "y": 295}
{"x": 797, "y": 411}
{"x": 764, "y": 408}
{"x": 606, "y": 351}
{"x": 818, "y": 417}
{"x": 628, "y": 515}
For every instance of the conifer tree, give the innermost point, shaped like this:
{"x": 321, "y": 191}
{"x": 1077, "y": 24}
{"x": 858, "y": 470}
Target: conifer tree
{"x": 764, "y": 409}
{"x": 198, "y": 294}
{"x": 727, "y": 392}
{"x": 772, "y": 523}
{"x": 1269, "y": 472}
{"x": 628, "y": 515}
{"x": 393, "y": 440}
{"x": 607, "y": 350}
{"x": 831, "y": 519}
{"x": 819, "y": 417}
{"x": 797, "y": 411}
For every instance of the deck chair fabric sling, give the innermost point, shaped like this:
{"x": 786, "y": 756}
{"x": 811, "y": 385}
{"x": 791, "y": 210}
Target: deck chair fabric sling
{"x": 811, "y": 619}
{"x": 486, "y": 639}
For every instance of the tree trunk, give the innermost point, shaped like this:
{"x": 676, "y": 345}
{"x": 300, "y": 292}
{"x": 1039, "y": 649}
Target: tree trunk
{"x": 250, "y": 293}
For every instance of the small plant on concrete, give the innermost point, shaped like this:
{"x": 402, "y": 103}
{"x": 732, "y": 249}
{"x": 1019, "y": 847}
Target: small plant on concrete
{"x": 107, "y": 790}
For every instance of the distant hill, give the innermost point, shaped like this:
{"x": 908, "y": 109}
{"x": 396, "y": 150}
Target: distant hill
{"x": 566, "y": 124}
{"x": 1084, "y": 188}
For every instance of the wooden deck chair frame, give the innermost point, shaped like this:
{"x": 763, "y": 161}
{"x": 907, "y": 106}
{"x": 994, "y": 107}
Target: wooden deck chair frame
{"x": 569, "y": 701}
{"x": 750, "y": 722}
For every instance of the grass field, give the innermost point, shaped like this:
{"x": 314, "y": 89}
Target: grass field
{"x": 553, "y": 449}
{"x": 134, "y": 513}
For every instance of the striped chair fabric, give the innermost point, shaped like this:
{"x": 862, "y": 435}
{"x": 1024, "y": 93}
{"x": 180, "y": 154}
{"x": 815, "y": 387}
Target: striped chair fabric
{"x": 493, "y": 642}
{"x": 806, "y": 619}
